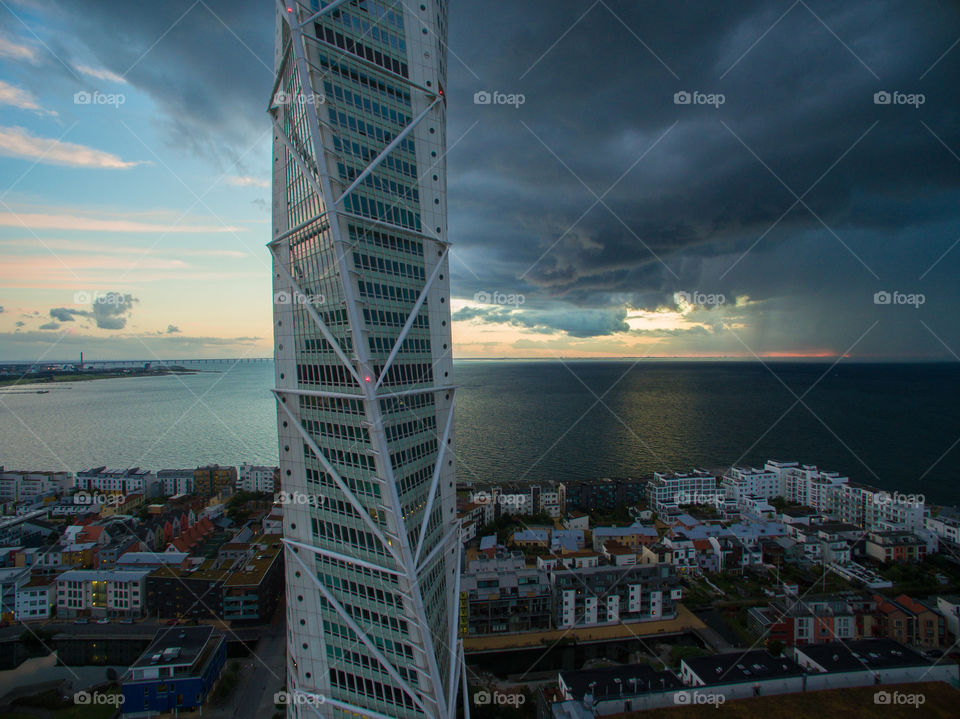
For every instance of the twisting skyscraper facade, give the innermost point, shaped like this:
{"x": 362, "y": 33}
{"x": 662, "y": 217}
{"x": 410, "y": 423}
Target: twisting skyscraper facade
{"x": 362, "y": 344}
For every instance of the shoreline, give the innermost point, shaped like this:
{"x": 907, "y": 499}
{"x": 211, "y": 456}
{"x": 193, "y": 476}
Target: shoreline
{"x": 52, "y": 380}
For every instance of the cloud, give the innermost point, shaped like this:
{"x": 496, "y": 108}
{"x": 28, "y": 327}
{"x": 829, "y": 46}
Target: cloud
{"x": 62, "y": 314}
{"x": 578, "y": 323}
{"x": 21, "y": 99}
{"x": 20, "y": 323}
{"x": 100, "y": 74}
{"x": 43, "y": 221}
{"x": 16, "y": 51}
{"x": 111, "y": 309}
{"x": 246, "y": 181}
{"x": 1, "y": 310}
{"x": 50, "y": 326}
{"x": 19, "y": 142}
{"x": 172, "y": 329}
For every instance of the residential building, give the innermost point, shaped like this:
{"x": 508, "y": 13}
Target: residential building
{"x": 503, "y": 595}
{"x": 174, "y": 482}
{"x": 949, "y": 607}
{"x": 213, "y": 479}
{"x": 20, "y": 485}
{"x": 812, "y": 620}
{"x": 118, "y": 481}
{"x": 668, "y": 491}
{"x": 911, "y": 621}
{"x": 742, "y": 483}
{"x": 37, "y": 598}
{"x": 895, "y": 546}
{"x": 634, "y": 536}
{"x": 872, "y": 508}
{"x": 175, "y": 673}
{"x": 603, "y": 494}
{"x": 364, "y": 381}
{"x": 101, "y": 593}
{"x": 946, "y": 525}
{"x": 806, "y": 484}
{"x": 864, "y": 662}
{"x": 260, "y": 479}
{"x": 609, "y": 594}
{"x": 12, "y": 579}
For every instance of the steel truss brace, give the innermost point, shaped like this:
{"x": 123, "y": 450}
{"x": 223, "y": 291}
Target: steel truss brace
{"x": 362, "y": 635}
{"x": 341, "y": 485}
{"x": 435, "y": 480}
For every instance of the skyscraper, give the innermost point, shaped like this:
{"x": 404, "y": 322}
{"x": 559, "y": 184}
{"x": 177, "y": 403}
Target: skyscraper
{"x": 362, "y": 346}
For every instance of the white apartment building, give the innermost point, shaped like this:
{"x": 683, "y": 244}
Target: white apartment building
{"x": 19, "y": 486}
{"x": 101, "y": 593}
{"x": 872, "y": 508}
{"x": 806, "y": 485}
{"x": 36, "y": 599}
{"x": 739, "y": 483}
{"x": 667, "y": 492}
{"x": 945, "y": 525}
{"x": 118, "y": 481}
{"x": 175, "y": 481}
{"x": 256, "y": 478}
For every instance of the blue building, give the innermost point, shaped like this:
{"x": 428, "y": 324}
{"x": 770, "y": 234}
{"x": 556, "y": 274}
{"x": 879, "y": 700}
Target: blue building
{"x": 176, "y": 672}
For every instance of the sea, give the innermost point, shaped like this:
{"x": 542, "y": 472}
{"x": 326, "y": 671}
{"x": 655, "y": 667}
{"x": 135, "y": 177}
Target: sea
{"x": 895, "y": 426}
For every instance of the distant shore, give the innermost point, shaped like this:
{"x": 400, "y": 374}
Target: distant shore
{"x": 54, "y": 378}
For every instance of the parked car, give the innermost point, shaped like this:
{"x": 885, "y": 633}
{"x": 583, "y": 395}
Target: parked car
{"x": 105, "y": 620}
{"x": 81, "y": 620}
{"x": 126, "y": 621}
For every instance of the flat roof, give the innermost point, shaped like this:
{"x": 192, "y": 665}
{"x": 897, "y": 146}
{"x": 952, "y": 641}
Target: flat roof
{"x": 736, "y": 667}
{"x": 189, "y": 640}
{"x": 634, "y": 679}
{"x": 862, "y": 654}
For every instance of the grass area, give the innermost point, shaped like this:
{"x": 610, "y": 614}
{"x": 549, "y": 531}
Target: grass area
{"x": 28, "y": 381}
{"x": 940, "y": 701}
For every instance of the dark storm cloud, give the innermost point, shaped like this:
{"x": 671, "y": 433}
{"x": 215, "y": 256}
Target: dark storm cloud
{"x": 685, "y": 190}
{"x": 62, "y": 314}
{"x": 207, "y": 65}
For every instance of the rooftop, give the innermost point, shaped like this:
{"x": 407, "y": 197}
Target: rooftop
{"x": 633, "y": 679}
{"x": 175, "y": 645}
{"x": 737, "y": 667}
{"x": 861, "y": 654}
